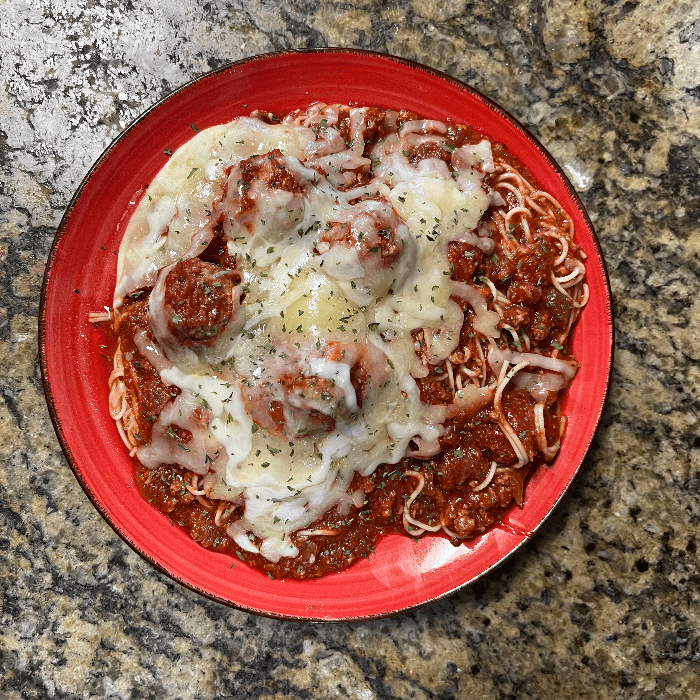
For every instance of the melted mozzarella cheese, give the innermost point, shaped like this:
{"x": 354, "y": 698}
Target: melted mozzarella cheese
{"x": 173, "y": 219}
{"x": 312, "y": 310}
{"x": 339, "y": 374}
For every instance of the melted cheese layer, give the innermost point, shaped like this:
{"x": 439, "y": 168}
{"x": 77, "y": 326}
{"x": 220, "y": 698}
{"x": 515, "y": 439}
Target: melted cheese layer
{"x": 316, "y": 306}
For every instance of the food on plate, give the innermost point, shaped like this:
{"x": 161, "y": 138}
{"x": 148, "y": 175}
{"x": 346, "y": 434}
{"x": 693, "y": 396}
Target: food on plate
{"x": 341, "y": 322}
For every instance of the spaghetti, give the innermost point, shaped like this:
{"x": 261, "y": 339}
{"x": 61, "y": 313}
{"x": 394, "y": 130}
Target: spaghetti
{"x": 365, "y": 328}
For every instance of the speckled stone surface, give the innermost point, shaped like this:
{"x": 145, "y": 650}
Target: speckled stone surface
{"x": 603, "y": 603}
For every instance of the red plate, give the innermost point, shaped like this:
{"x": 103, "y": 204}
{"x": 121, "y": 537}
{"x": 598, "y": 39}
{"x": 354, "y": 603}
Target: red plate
{"x": 80, "y": 278}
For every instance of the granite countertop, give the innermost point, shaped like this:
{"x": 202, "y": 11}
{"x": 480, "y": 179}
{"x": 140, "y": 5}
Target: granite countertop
{"x": 603, "y": 602}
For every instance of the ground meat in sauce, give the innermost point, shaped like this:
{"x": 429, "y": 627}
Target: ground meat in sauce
{"x": 430, "y": 150}
{"x": 375, "y": 127}
{"x": 464, "y": 259}
{"x": 143, "y": 383}
{"x": 461, "y": 134}
{"x": 386, "y": 492}
{"x": 267, "y": 117}
{"x": 472, "y": 441}
{"x": 530, "y": 278}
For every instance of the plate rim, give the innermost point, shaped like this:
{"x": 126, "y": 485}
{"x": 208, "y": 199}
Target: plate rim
{"x": 340, "y": 53}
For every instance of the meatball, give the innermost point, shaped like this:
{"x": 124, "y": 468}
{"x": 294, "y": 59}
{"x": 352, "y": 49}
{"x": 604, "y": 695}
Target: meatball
{"x": 200, "y": 301}
{"x": 366, "y": 249}
{"x": 270, "y": 169}
{"x": 377, "y": 247}
{"x": 373, "y": 229}
{"x": 264, "y": 194}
